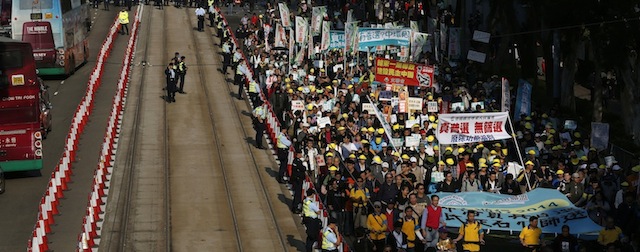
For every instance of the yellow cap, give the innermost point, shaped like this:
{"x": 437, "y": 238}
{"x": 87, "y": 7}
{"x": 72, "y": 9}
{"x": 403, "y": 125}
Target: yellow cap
{"x": 362, "y": 157}
{"x": 559, "y": 172}
{"x": 334, "y": 81}
{"x": 624, "y": 183}
{"x": 329, "y": 88}
{"x": 576, "y": 143}
{"x": 322, "y": 70}
{"x": 577, "y": 134}
{"x": 492, "y": 152}
{"x": 497, "y": 145}
{"x": 496, "y": 164}
{"x": 435, "y": 148}
{"x": 483, "y": 165}
{"x": 482, "y": 160}
{"x": 363, "y": 129}
{"x": 496, "y": 160}
{"x": 528, "y": 126}
{"x": 548, "y": 142}
{"x": 310, "y": 107}
{"x": 290, "y": 91}
{"x": 287, "y": 80}
{"x": 430, "y": 138}
{"x": 380, "y": 131}
{"x": 405, "y": 156}
{"x": 449, "y": 161}
{"x": 396, "y": 127}
{"x": 329, "y": 154}
{"x": 529, "y": 163}
{"x": 531, "y": 152}
{"x": 300, "y": 89}
{"x": 332, "y": 146}
{"x": 352, "y": 155}
{"x": 448, "y": 148}
{"x": 371, "y": 129}
{"x": 341, "y": 128}
{"x": 480, "y": 146}
{"x": 312, "y": 88}
{"x": 364, "y": 141}
{"x": 432, "y": 118}
{"x": 469, "y": 165}
{"x": 377, "y": 160}
{"x": 345, "y": 115}
{"x": 416, "y": 125}
{"x": 461, "y": 150}
{"x": 434, "y": 125}
{"x": 602, "y": 166}
{"x": 397, "y": 154}
{"x": 636, "y": 168}
{"x": 319, "y": 91}
{"x": 552, "y": 131}
{"x": 333, "y": 168}
{"x": 311, "y": 70}
{"x": 350, "y": 87}
{"x": 583, "y": 158}
{"x": 440, "y": 162}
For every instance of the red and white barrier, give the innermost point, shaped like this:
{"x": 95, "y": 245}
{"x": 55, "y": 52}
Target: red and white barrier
{"x": 273, "y": 128}
{"x": 87, "y": 239}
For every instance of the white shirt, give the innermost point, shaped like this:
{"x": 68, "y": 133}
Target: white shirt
{"x": 200, "y": 11}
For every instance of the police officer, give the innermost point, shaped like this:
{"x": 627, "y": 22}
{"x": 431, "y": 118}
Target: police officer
{"x": 259, "y": 115}
{"x": 123, "y": 19}
{"x": 298, "y": 172}
{"x": 171, "y": 76}
{"x": 212, "y": 10}
{"x": 200, "y": 12}
{"x": 182, "y": 71}
{"x": 226, "y": 54}
{"x": 310, "y": 213}
{"x": 239, "y": 77}
{"x": 331, "y": 237}
{"x": 283, "y": 144}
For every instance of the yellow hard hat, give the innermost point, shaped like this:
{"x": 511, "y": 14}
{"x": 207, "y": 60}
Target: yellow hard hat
{"x": 300, "y": 89}
{"x": 371, "y": 130}
{"x": 363, "y": 129}
{"x": 496, "y": 164}
{"x": 480, "y": 146}
{"x": 529, "y": 163}
{"x": 380, "y": 131}
{"x": 448, "y": 149}
{"x": 430, "y": 138}
{"x": 290, "y": 91}
{"x": 405, "y": 156}
{"x": 362, "y": 157}
{"x": 492, "y": 152}
{"x": 440, "y": 162}
{"x": 469, "y": 165}
{"x": 483, "y": 165}
{"x": 352, "y": 155}
{"x": 287, "y": 80}
{"x": 461, "y": 150}
{"x": 350, "y": 87}
{"x": 435, "y": 148}
{"x": 531, "y": 152}
{"x": 310, "y": 107}
{"x": 396, "y": 127}
{"x": 377, "y": 160}
{"x": 432, "y": 118}
{"x": 449, "y": 161}
{"x": 345, "y": 115}
{"x": 333, "y": 168}
{"x": 341, "y": 128}
{"x": 332, "y": 146}
{"x": 329, "y": 154}
{"x": 397, "y": 154}
{"x": 364, "y": 141}
{"x": 559, "y": 172}
{"x": 482, "y": 160}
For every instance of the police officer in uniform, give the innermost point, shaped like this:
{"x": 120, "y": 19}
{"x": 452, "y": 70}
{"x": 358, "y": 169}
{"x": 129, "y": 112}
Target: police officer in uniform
{"x": 310, "y": 213}
{"x": 259, "y": 115}
{"x": 331, "y": 237}
{"x": 239, "y": 78}
{"x": 182, "y": 71}
{"x": 283, "y": 144}
{"x": 212, "y": 11}
{"x": 254, "y": 90}
{"x": 298, "y": 172}
{"x": 200, "y": 12}
{"x": 123, "y": 19}
{"x": 171, "y": 76}
{"x": 226, "y": 54}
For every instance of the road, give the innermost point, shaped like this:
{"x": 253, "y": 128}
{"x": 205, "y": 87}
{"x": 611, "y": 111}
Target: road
{"x": 19, "y": 205}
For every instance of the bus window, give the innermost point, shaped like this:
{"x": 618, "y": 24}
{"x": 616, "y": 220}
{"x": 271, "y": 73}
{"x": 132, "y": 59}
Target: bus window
{"x": 36, "y": 4}
{"x": 11, "y": 59}
{"x": 19, "y": 115}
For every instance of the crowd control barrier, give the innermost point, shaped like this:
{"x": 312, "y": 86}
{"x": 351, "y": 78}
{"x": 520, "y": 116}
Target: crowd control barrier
{"x": 61, "y": 174}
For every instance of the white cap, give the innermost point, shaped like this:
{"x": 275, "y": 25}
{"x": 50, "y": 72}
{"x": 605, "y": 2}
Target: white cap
{"x": 305, "y": 125}
{"x": 385, "y": 164}
{"x": 413, "y": 160}
{"x": 384, "y": 144}
{"x": 616, "y": 168}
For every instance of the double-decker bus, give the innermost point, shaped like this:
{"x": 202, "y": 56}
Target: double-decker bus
{"x": 5, "y": 18}
{"x": 24, "y": 108}
{"x": 57, "y": 30}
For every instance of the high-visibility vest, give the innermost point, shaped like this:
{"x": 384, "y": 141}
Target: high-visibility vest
{"x": 280, "y": 144}
{"x": 123, "y": 17}
{"x": 210, "y": 2}
{"x": 253, "y": 87}
{"x": 181, "y": 66}
{"x": 306, "y": 209}
{"x": 326, "y": 244}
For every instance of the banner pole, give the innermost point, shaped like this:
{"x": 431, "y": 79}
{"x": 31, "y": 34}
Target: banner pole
{"x": 515, "y": 141}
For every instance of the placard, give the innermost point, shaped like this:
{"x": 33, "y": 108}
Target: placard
{"x": 297, "y": 105}
{"x": 415, "y": 104}
{"x": 474, "y": 106}
{"x": 457, "y": 107}
{"x": 369, "y": 108}
{"x": 385, "y": 95}
{"x": 397, "y": 142}
{"x": 320, "y": 160}
{"x": 324, "y": 121}
{"x": 409, "y": 123}
{"x": 570, "y": 125}
{"x": 432, "y": 107}
{"x": 412, "y": 141}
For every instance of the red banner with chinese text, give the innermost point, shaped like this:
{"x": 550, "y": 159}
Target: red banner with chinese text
{"x": 409, "y": 74}
{"x": 472, "y": 127}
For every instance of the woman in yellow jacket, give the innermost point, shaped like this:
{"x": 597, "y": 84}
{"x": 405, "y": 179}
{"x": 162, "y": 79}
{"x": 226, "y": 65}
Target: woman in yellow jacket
{"x": 123, "y": 19}
{"x": 377, "y": 225}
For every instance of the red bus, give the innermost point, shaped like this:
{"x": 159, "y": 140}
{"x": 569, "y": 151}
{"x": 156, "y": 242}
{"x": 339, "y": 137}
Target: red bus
{"x": 24, "y": 108}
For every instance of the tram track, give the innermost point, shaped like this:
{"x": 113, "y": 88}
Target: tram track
{"x": 255, "y": 172}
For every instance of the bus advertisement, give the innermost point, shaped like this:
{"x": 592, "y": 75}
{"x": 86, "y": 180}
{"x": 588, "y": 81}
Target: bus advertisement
{"x": 57, "y": 31}
{"x": 24, "y": 108}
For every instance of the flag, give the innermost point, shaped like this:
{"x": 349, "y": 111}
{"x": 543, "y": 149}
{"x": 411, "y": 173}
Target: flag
{"x": 281, "y": 36}
{"x": 284, "y": 14}
{"x": 301, "y": 30}
{"x": 326, "y": 27}
{"x": 317, "y": 15}
{"x": 506, "y": 96}
{"x": 418, "y": 41}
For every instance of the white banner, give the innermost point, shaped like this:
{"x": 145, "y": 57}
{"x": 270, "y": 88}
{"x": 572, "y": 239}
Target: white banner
{"x": 471, "y": 128}
{"x": 326, "y": 27}
{"x": 301, "y": 30}
{"x": 414, "y": 104}
{"x": 281, "y": 36}
{"x": 506, "y": 95}
{"x": 324, "y": 121}
{"x": 317, "y": 15}
{"x": 284, "y": 14}
{"x": 297, "y": 105}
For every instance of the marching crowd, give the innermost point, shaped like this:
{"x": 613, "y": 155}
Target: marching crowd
{"x": 380, "y": 193}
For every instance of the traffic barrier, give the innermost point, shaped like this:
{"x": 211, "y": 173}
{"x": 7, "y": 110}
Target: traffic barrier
{"x": 62, "y": 172}
{"x": 97, "y": 197}
{"x": 273, "y": 128}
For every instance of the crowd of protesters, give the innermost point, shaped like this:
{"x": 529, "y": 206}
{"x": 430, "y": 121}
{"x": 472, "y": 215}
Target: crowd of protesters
{"x": 360, "y": 175}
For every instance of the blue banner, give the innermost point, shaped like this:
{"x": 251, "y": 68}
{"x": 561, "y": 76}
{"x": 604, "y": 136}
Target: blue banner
{"x": 512, "y": 212}
{"x": 369, "y": 38}
{"x": 523, "y": 100}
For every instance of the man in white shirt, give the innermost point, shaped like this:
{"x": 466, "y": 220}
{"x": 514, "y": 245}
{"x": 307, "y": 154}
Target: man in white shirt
{"x": 200, "y": 15}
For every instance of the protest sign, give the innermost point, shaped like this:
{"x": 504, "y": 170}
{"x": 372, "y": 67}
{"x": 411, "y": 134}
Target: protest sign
{"x": 414, "y": 104}
{"x": 324, "y": 122}
{"x": 471, "y": 127}
{"x": 599, "y": 136}
{"x": 409, "y": 74}
{"x": 511, "y": 212}
{"x": 432, "y": 107}
{"x": 297, "y": 105}
{"x": 368, "y": 107}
